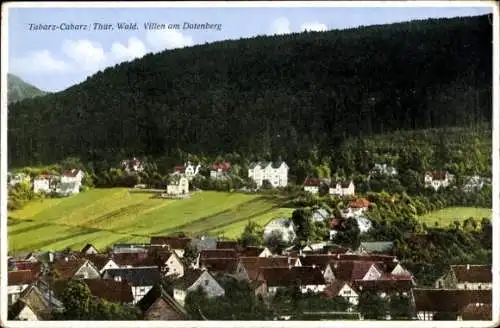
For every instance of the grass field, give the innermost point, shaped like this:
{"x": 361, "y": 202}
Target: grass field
{"x": 446, "y": 216}
{"x": 106, "y": 216}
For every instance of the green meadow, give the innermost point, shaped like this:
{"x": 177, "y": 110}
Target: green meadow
{"x": 446, "y": 216}
{"x": 106, "y": 216}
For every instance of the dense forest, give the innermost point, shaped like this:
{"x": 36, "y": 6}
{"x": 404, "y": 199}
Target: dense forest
{"x": 17, "y": 89}
{"x": 266, "y": 97}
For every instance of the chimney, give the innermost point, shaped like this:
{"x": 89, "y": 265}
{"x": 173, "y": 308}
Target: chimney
{"x": 51, "y": 257}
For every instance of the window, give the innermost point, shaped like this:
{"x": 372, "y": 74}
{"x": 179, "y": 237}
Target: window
{"x": 465, "y": 286}
{"x": 206, "y": 282}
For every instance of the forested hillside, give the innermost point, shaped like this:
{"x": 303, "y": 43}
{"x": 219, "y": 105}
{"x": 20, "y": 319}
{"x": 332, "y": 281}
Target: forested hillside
{"x": 17, "y": 89}
{"x": 267, "y": 96}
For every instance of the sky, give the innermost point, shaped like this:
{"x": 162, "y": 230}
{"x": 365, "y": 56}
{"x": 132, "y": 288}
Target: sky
{"x": 53, "y": 60}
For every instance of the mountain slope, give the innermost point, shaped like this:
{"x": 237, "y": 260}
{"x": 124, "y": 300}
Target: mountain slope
{"x": 277, "y": 95}
{"x": 18, "y": 89}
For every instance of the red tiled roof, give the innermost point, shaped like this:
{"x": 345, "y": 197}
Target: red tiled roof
{"x": 173, "y": 242}
{"x": 132, "y": 259}
{"x": 312, "y": 182}
{"x": 334, "y": 288}
{"x": 253, "y": 265}
{"x": 321, "y": 260}
{"x": 218, "y": 253}
{"x": 472, "y": 273}
{"x": 67, "y": 269}
{"x": 99, "y": 260}
{"x": 289, "y": 276}
{"x": 34, "y": 267}
{"x": 350, "y": 270}
{"x": 360, "y": 203}
{"x": 224, "y": 166}
{"x": 21, "y": 277}
{"x": 449, "y": 300}
{"x": 111, "y": 290}
{"x": 179, "y": 168}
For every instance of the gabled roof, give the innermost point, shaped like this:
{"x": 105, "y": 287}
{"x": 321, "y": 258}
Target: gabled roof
{"x": 156, "y": 293}
{"x": 110, "y": 290}
{"x": 137, "y": 276}
{"x": 321, "y": 260}
{"x": 477, "y": 311}
{"x": 188, "y": 279}
{"x": 71, "y": 173}
{"x": 225, "y": 265}
{"x": 131, "y": 259}
{"x": 312, "y": 182}
{"x": 290, "y": 276}
{"x": 98, "y": 260}
{"x": 251, "y": 251}
{"x": 437, "y": 175}
{"x": 33, "y": 298}
{"x": 173, "y": 242}
{"x": 334, "y": 288}
{"x": 342, "y": 183}
{"x": 449, "y": 300}
{"x": 277, "y": 164}
{"x": 179, "y": 168}
{"x": 87, "y": 247}
{"x": 21, "y": 277}
{"x": 350, "y": 270}
{"x": 67, "y": 269}
{"x": 472, "y": 273}
{"x": 253, "y": 265}
{"x": 218, "y": 253}
{"x": 34, "y": 267}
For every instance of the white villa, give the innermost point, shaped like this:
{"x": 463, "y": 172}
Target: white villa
{"x": 188, "y": 169}
{"x": 342, "y": 188}
{"x": 475, "y": 183}
{"x": 275, "y": 172}
{"x": 71, "y": 182}
{"x": 284, "y": 225}
{"x": 42, "y": 184}
{"x": 178, "y": 185}
{"x": 438, "y": 179}
{"x": 383, "y": 169}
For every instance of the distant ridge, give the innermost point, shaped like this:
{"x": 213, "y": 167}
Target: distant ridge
{"x": 19, "y": 90}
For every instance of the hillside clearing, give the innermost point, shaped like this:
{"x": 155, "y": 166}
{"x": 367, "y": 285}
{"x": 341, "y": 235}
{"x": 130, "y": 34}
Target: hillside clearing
{"x": 106, "y": 216}
{"x": 446, "y": 216}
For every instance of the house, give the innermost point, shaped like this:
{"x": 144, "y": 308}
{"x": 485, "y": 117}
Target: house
{"x": 169, "y": 263}
{"x": 219, "y": 170}
{"x": 438, "y": 179}
{"x": 218, "y": 253}
{"x": 14, "y": 179}
{"x": 307, "y": 278}
{"x": 381, "y": 169}
{"x": 433, "y": 303}
{"x": 188, "y": 169}
{"x": 227, "y": 244}
{"x": 194, "y": 278}
{"x": 343, "y": 289}
{"x": 132, "y": 259}
{"x": 177, "y": 185}
{"x": 251, "y": 251}
{"x": 248, "y": 268}
{"x": 219, "y": 265}
{"x": 17, "y": 282}
{"x": 275, "y": 172}
{"x": 111, "y": 290}
{"x": 314, "y": 247}
{"x": 157, "y": 304}
{"x": 376, "y": 247}
{"x": 43, "y": 184}
{"x": 102, "y": 262}
{"x": 71, "y": 182}
{"x": 467, "y": 276}
{"x": 385, "y": 287}
{"x": 30, "y": 306}
{"x": 75, "y": 268}
{"x": 283, "y": 225}
{"x": 133, "y": 165}
{"x": 322, "y": 261}
{"x": 142, "y": 279}
{"x": 321, "y": 215}
{"x": 475, "y": 183}
{"x": 342, "y": 188}
{"x": 356, "y": 208}
{"x": 215, "y": 258}
{"x": 177, "y": 244}
{"x": 349, "y": 270}
{"x": 89, "y": 249}
{"x": 21, "y": 265}
{"x": 312, "y": 185}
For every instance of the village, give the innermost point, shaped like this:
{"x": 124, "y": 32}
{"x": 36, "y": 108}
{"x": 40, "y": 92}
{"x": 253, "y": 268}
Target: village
{"x": 138, "y": 274}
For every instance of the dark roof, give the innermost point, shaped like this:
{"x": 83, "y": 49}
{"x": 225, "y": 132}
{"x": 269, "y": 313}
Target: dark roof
{"x": 477, "y": 311}
{"x": 312, "y": 182}
{"x": 226, "y": 265}
{"x": 472, "y": 273}
{"x": 110, "y": 290}
{"x": 350, "y": 270}
{"x": 138, "y": 276}
{"x": 218, "y": 253}
{"x": 384, "y": 285}
{"x": 321, "y": 260}
{"x": 334, "y": 288}
{"x": 173, "y": 242}
{"x": 33, "y": 298}
{"x": 276, "y": 164}
{"x": 34, "y": 267}
{"x": 188, "y": 279}
{"x": 21, "y": 277}
{"x": 158, "y": 292}
{"x": 253, "y": 265}
{"x": 227, "y": 244}
{"x": 71, "y": 173}
{"x": 67, "y": 269}
{"x": 342, "y": 183}
{"x": 251, "y": 251}
{"x": 98, "y": 260}
{"x": 131, "y": 259}
{"x": 369, "y": 257}
{"x": 449, "y": 300}
{"x": 87, "y": 247}
{"x": 304, "y": 275}
{"x": 437, "y": 175}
